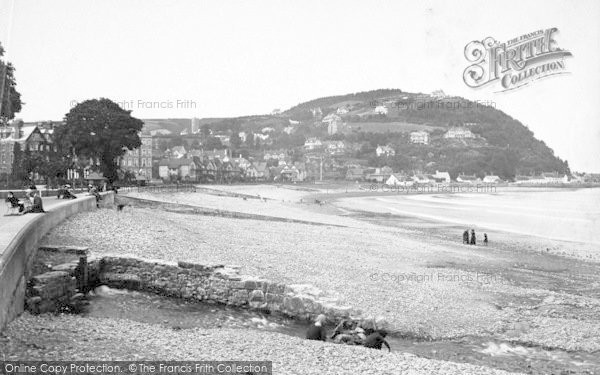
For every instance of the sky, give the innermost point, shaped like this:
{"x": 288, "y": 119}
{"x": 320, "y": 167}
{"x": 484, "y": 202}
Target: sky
{"x": 205, "y": 58}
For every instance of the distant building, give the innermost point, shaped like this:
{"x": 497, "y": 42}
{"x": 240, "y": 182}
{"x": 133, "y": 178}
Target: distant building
{"x": 420, "y": 137}
{"x": 178, "y": 152}
{"x": 312, "y": 144}
{"x": 491, "y": 179}
{"x": 467, "y": 179}
{"x": 177, "y": 168}
{"x": 385, "y": 151}
{"x": 29, "y": 137}
{"x": 288, "y": 130}
{"x": 195, "y": 125}
{"x": 139, "y": 160}
{"x": 342, "y": 111}
{"x": 438, "y": 94}
{"x": 381, "y": 110}
{"x": 459, "y": 132}
{"x": 399, "y": 180}
{"x": 157, "y": 132}
{"x": 441, "y": 176}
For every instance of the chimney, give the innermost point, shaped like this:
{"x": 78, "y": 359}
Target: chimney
{"x": 17, "y": 124}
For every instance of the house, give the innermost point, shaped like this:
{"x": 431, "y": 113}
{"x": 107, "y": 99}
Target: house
{"x": 398, "y": 180}
{"x": 293, "y": 122}
{"x": 380, "y": 174}
{"x": 421, "y": 179}
{"x": 184, "y": 132}
{"x": 288, "y": 130}
{"x": 316, "y": 112}
{"x": 331, "y": 117}
{"x": 459, "y": 132}
{"x": 554, "y": 178}
{"x": 441, "y": 177}
{"x": 421, "y": 137}
{"x": 178, "y": 152}
{"x": 267, "y": 130}
{"x": 335, "y": 147}
{"x": 139, "y": 161}
{"x": 381, "y": 110}
{"x": 262, "y": 171}
{"x": 181, "y": 168}
{"x": 355, "y": 174}
{"x": 312, "y": 144}
{"x": 262, "y": 137}
{"x": 438, "y": 94}
{"x": 342, "y": 111}
{"x": 467, "y": 179}
{"x": 491, "y": 179}
{"x": 385, "y": 151}
{"x": 28, "y": 137}
{"x": 240, "y": 162}
{"x": 160, "y": 132}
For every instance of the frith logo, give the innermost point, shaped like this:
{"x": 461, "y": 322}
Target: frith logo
{"x": 515, "y": 63}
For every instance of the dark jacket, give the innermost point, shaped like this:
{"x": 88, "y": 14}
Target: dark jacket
{"x": 375, "y": 341}
{"x": 316, "y": 333}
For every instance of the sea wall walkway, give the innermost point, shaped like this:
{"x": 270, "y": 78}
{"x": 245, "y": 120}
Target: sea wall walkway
{"x": 19, "y": 238}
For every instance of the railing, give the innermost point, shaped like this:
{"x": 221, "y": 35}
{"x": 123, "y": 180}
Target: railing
{"x": 173, "y": 188}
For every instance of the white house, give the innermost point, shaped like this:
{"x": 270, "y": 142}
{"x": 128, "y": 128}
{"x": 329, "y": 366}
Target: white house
{"x": 398, "y": 180}
{"x": 459, "y": 132}
{"x": 491, "y": 179}
{"x": 381, "y": 110}
{"x": 385, "y": 150}
{"x": 312, "y": 143}
{"x": 466, "y": 179}
{"x": 438, "y": 94}
{"x": 342, "y": 111}
{"x": 445, "y": 176}
{"x": 421, "y": 137}
{"x": 421, "y": 179}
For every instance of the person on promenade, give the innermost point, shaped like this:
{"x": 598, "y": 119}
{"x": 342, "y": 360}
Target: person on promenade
{"x": 316, "y": 331}
{"x": 473, "y": 239}
{"x": 376, "y": 339}
{"x": 466, "y": 237}
{"x": 485, "y": 239}
{"x": 37, "y": 206}
{"x": 94, "y": 192}
{"x": 14, "y": 202}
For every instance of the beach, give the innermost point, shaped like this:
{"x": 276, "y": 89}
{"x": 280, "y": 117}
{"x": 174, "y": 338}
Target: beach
{"x": 411, "y": 271}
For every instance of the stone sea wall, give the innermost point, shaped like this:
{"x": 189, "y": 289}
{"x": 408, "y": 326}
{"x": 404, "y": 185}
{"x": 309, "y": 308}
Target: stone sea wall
{"x": 216, "y": 283}
{"x": 61, "y": 286}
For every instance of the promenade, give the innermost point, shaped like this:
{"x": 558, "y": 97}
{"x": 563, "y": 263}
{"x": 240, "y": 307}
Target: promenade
{"x": 11, "y": 224}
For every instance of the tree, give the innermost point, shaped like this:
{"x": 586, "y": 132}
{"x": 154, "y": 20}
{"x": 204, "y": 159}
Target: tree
{"x": 205, "y": 132}
{"x": 235, "y": 140}
{"x": 101, "y": 131}
{"x": 10, "y": 98}
{"x": 18, "y": 173}
{"x": 213, "y": 143}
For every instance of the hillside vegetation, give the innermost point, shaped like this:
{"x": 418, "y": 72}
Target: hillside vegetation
{"x": 503, "y": 145}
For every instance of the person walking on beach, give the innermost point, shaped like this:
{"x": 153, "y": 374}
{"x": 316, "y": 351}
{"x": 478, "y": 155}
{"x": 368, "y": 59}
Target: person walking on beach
{"x": 485, "y": 239}
{"x": 473, "y": 240}
{"x": 466, "y": 237}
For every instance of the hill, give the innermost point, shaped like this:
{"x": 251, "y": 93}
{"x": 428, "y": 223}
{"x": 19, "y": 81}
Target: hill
{"x": 501, "y": 145}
